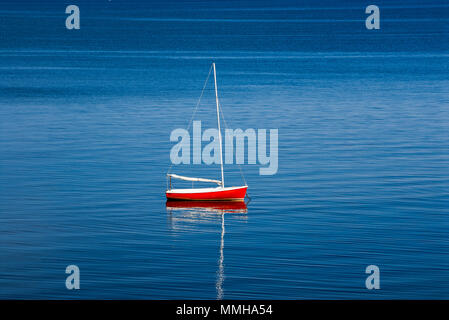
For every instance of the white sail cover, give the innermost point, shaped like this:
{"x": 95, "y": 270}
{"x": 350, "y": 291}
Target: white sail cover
{"x": 175, "y": 176}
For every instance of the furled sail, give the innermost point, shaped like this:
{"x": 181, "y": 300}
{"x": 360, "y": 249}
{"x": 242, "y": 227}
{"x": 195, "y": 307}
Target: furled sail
{"x": 175, "y": 176}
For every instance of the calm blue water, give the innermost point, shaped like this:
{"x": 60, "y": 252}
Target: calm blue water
{"x": 363, "y": 118}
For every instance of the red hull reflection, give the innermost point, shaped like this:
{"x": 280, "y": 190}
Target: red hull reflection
{"x": 239, "y": 206}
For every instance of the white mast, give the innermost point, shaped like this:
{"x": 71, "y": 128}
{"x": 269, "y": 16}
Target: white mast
{"x": 219, "y": 130}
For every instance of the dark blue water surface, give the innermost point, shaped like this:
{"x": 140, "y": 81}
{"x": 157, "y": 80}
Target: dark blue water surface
{"x": 363, "y": 119}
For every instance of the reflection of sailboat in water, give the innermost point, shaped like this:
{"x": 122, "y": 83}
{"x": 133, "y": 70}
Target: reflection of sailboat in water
{"x": 208, "y": 206}
{"x": 220, "y": 272}
{"x": 186, "y": 211}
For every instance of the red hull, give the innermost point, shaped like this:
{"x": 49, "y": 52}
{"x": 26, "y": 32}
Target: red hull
{"x": 229, "y": 194}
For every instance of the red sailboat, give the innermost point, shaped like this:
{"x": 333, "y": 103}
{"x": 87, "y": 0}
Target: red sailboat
{"x": 218, "y": 193}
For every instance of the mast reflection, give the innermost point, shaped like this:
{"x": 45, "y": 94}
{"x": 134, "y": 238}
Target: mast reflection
{"x": 196, "y": 210}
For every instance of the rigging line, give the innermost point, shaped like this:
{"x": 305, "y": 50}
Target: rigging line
{"x": 199, "y": 100}
{"x": 196, "y": 108}
{"x": 226, "y": 125}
